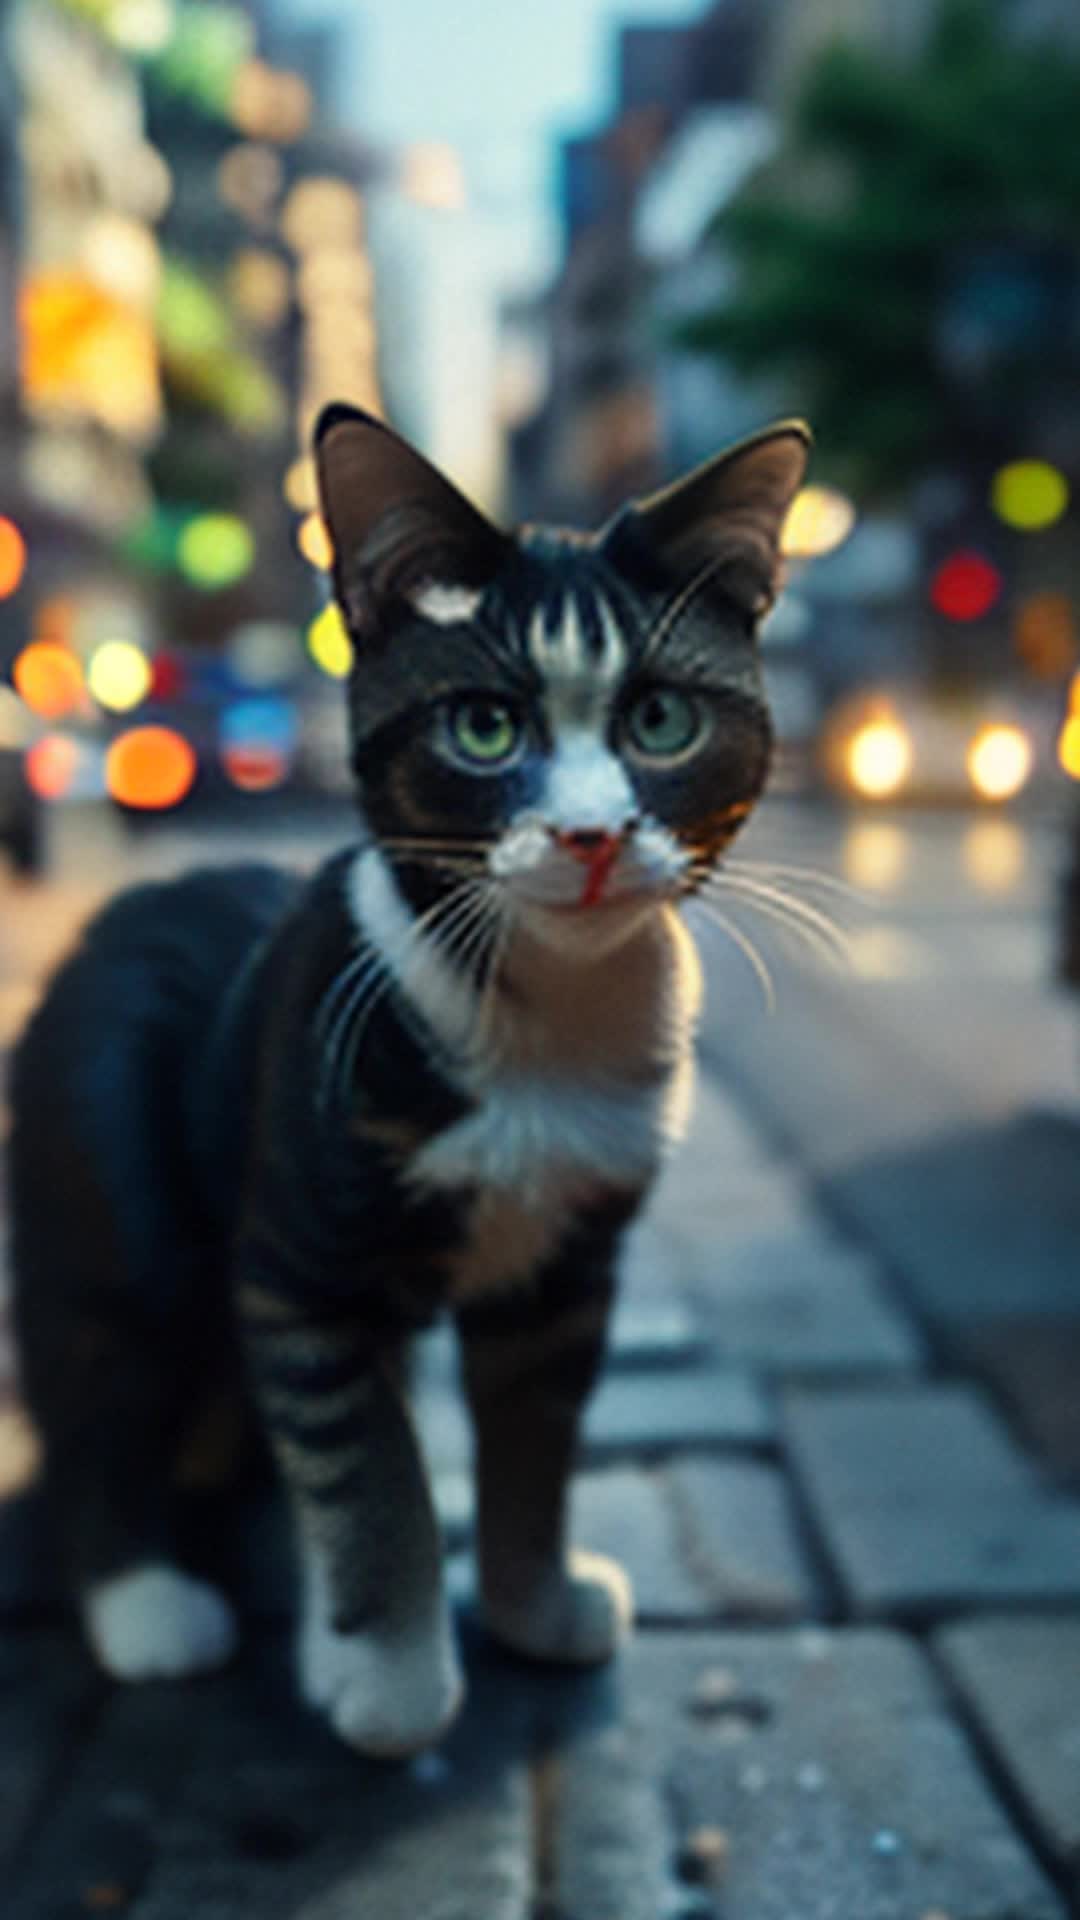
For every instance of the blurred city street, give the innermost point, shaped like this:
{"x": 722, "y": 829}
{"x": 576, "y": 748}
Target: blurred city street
{"x": 838, "y": 1448}
{"x": 571, "y": 255}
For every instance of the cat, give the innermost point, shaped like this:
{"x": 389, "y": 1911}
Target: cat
{"x": 265, "y": 1128}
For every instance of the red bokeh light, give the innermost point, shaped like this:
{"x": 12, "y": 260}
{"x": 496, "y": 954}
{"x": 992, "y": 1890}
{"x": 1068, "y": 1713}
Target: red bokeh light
{"x": 965, "y": 586}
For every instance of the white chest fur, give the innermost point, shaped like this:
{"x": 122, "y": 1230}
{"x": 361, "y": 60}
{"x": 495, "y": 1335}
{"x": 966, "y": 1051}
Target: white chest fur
{"x": 581, "y": 1078}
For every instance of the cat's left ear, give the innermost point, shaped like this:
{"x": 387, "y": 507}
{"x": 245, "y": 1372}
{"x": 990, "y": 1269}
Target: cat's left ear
{"x": 725, "y": 519}
{"x": 397, "y": 525}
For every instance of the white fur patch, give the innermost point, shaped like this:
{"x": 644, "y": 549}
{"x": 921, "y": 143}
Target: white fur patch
{"x": 587, "y": 786}
{"x": 387, "y": 1695}
{"x": 156, "y": 1622}
{"x": 442, "y": 995}
{"x": 580, "y": 1078}
{"x": 445, "y": 606}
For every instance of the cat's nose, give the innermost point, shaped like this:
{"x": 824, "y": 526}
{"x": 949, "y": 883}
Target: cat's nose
{"x": 586, "y": 843}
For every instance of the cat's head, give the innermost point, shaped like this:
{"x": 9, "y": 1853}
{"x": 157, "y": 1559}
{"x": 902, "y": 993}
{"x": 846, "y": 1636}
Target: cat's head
{"x": 579, "y": 720}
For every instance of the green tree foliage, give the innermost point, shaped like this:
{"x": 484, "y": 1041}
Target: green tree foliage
{"x": 910, "y": 203}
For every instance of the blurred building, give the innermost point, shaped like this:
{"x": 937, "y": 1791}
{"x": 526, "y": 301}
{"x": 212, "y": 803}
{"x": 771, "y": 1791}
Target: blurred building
{"x": 193, "y": 285}
{"x": 681, "y": 93}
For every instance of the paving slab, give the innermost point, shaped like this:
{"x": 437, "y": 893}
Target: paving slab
{"x": 225, "y": 1797}
{"x": 48, "y": 1697}
{"x": 741, "y": 1537}
{"x": 797, "y": 1300}
{"x": 1020, "y": 1679}
{"x": 650, "y": 1414}
{"x": 1033, "y": 1363}
{"x": 981, "y": 1222}
{"x": 924, "y": 1504}
{"x": 811, "y": 1774}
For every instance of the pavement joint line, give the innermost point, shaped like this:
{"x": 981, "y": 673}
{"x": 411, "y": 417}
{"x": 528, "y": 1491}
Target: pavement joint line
{"x": 995, "y": 1773}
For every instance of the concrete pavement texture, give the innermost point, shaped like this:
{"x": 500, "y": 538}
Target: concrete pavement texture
{"x": 836, "y": 1448}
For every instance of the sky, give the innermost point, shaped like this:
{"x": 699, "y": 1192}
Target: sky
{"x": 499, "y": 80}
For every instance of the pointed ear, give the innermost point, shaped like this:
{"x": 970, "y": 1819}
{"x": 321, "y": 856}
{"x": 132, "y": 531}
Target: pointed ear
{"x": 727, "y": 516}
{"x": 395, "y": 523}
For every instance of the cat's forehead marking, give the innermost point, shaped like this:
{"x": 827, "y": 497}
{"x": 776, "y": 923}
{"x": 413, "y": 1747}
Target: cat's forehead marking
{"x": 574, "y": 640}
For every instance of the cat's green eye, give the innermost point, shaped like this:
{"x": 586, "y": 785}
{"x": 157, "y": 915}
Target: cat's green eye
{"x": 664, "y": 723}
{"x": 484, "y": 731}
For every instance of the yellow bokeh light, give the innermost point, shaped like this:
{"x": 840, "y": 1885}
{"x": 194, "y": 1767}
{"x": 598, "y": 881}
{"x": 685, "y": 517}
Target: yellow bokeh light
{"x": 1069, "y": 747}
{"x": 119, "y": 675}
{"x": 999, "y": 761}
{"x": 818, "y": 521}
{"x": 1029, "y": 495}
{"x": 313, "y": 540}
{"x": 875, "y": 855}
{"x": 329, "y": 644}
{"x": 878, "y": 758}
{"x": 260, "y": 286}
{"x": 993, "y": 853}
{"x": 301, "y": 486}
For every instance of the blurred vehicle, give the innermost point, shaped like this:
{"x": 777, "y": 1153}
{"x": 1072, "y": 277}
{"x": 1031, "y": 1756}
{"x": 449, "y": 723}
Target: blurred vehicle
{"x": 920, "y": 745}
{"x": 21, "y": 830}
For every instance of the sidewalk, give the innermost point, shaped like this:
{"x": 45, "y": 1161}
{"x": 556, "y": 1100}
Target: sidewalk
{"x": 854, "y": 1689}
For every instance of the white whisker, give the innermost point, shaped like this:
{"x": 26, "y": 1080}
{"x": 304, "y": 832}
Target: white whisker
{"x": 746, "y": 948}
{"x": 800, "y": 915}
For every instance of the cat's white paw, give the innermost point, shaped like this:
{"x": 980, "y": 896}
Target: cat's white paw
{"x": 579, "y": 1615}
{"x": 154, "y": 1622}
{"x": 387, "y": 1696}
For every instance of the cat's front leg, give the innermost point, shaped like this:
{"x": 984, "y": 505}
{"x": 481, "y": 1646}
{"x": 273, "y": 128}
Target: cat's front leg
{"x": 530, "y": 1360}
{"x": 376, "y": 1648}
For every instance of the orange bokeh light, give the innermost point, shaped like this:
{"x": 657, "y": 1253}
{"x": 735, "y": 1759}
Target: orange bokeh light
{"x": 49, "y": 678}
{"x": 50, "y": 765}
{"x": 150, "y": 767}
{"x": 12, "y": 557}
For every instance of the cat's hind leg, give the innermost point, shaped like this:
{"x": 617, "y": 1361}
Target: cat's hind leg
{"x": 111, "y": 1325}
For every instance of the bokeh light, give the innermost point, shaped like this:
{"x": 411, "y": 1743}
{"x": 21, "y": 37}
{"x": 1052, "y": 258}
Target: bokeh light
{"x": 999, "y": 761}
{"x": 12, "y": 557}
{"x": 150, "y": 768}
{"x": 1068, "y": 747}
{"x": 876, "y": 855}
{"x": 264, "y": 653}
{"x": 258, "y": 739}
{"x": 119, "y": 675}
{"x": 260, "y": 287}
{"x": 142, "y": 26}
{"x": 313, "y": 540}
{"x": 1029, "y": 495}
{"x": 216, "y": 550}
{"x": 965, "y": 586}
{"x": 51, "y": 765}
{"x": 819, "y": 520}
{"x": 329, "y": 644}
{"x": 879, "y": 758}
{"x": 993, "y": 854}
{"x": 301, "y": 486}
{"x": 49, "y": 678}
{"x": 1045, "y": 634}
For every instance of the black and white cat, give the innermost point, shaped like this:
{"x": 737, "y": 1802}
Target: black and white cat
{"x": 266, "y": 1128}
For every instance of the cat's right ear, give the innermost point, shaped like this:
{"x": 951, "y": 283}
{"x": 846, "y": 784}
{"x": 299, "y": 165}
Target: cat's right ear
{"x": 397, "y": 526}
